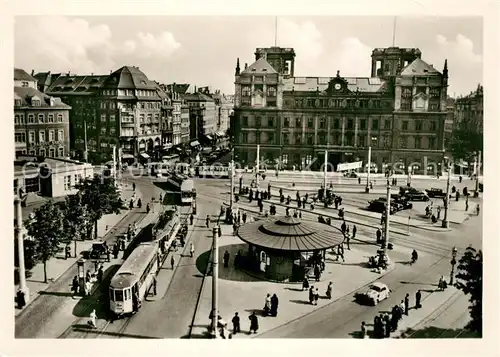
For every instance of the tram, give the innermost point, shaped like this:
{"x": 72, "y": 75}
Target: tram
{"x": 184, "y": 185}
{"x": 213, "y": 171}
{"x": 132, "y": 281}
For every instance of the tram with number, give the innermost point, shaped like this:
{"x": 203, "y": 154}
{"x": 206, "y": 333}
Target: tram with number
{"x": 183, "y": 185}
{"x": 131, "y": 283}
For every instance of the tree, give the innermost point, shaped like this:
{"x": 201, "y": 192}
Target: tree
{"x": 29, "y": 254}
{"x": 46, "y": 229}
{"x": 470, "y": 281}
{"x": 465, "y": 143}
{"x": 100, "y": 196}
{"x": 75, "y": 222}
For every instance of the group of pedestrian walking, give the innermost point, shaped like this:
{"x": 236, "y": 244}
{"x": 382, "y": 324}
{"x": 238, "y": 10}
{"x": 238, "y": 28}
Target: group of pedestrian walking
{"x": 271, "y": 305}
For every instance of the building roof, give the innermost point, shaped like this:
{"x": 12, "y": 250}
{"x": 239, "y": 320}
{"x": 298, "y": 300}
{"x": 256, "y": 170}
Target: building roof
{"x": 418, "y": 68}
{"x": 68, "y": 84}
{"x": 179, "y": 88}
{"x": 290, "y": 234}
{"x": 261, "y": 66}
{"x": 22, "y": 75}
{"x": 129, "y": 77}
{"x": 310, "y": 84}
{"x": 25, "y": 94}
{"x": 197, "y": 97}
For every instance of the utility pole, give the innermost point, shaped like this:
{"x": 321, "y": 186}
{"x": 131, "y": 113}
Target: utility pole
{"x": 257, "y": 169}
{"x": 386, "y": 230}
{"x": 447, "y": 198}
{"x": 367, "y": 189}
{"x": 215, "y": 277}
{"x": 324, "y": 178}
{"x": 478, "y": 171}
{"x": 114, "y": 164}
{"x": 20, "y": 249}
{"x": 86, "y": 152}
{"x": 231, "y": 173}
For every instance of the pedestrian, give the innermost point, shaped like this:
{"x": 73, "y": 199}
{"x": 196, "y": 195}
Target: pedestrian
{"x": 418, "y": 297}
{"x": 148, "y": 208}
{"x": 267, "y": 305}
{"x": 92, "y": 320}
{"x": 191, "y": 249}
{"x": 341, "y": 252}
{"x": 226, "y": 259}
{"x": 311, "y": 295}
{"x": 343, "y": 227}
{"x": 387, "y": 326}
{"x": 317, "y": 273}
{"x": 207, "y": 221}
{"x": 254, "y": 322}
{"x": 236, "y": 323}
{"x": 191, "y": 219}
{"x": 477, "y": 209}
{"x": 316, "y": 296}
{"x": 305, "y": 284}
{"x": 139, "y": 203}
{"x": 244, "y": 217}
{"x": 100, "y": 274}
{"x": 362, "y": 333}
{"x": 354, "y": 230}
{"x": 381, "y": 325}
{"x": 67, "y": 252}
{"x": 359, "y": 183}
{"x": 274, "y": 305}
{"x": 402, "y": 307}
{"x": 379, "y": 236}
{"x": 407, "y": 304}
{"x": 172, "y": 262}
{"x": 219, "y": 231}
{"x": 133, "y": 186}
{"x": 329, "y": 290}
{"x": 347, "y": 240}
{"x": 131, "y": 204}
{"x": 75, "y": 285}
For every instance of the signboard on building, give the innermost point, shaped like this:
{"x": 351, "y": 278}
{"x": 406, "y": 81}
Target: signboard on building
{"x": 349, "y": 166}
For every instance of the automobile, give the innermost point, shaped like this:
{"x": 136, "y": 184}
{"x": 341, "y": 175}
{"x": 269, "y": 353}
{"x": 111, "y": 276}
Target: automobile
{"x": 417, "y": 196}
{"x": 402, "y": 200}
{"x": 399, "y": 206}
{"x": 374, "y": 294}
{"x": 97, "y": 250}
{"x": 351, "y": 174}
{"x": 379, "y": 206}
{"x": 435, "y": 193}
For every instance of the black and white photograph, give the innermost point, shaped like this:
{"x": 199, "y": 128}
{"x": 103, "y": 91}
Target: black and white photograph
{"x": 248, "y": 177}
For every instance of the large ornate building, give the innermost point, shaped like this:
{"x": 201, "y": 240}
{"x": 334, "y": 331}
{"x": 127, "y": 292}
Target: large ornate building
{"x": 469, "y": 111}
{"x": 123, "y": 108}
{"x": 41, "y": 124}
{"x": 399, "y": 111}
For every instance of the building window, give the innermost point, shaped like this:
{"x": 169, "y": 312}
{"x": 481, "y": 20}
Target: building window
{"x": 348, "y": 139}
{"x": 432, "y": 125}
{"x": 322, "y": 139}
{"x": 434, "y": 92}
{"x": 432, "y": 142}
{"x": 418, "y": 142}
{"x": 418, "y": 125}
{"x": 270, "y": 122}
{"x": 322, "y": 123}
{"x": 32, "y": 152}
{"x": 403, "y": 142}
{"x": 374, "y": 141}
{"x": 41, "y": 136}
{"x": 308, "y": 159}
{"x": 111, "y": 117}
{"x": 257, "y": 122}
{"x": 60, "y": 135}
{"x": 16, "y": 119}
{"x": 310, "y": 139}
{"x": 387, "y": 140}
{"x": 244, "y": 138}
{"x": 112, "y": 130}
{"x": 298, "y": 122}
{"x": 31, "y": 118}
{"x": 286, "y": 139}
{"x": 25, "y": 84}
{"x": 362, "y": 141}
{"x": 387, "y": 124}
{"x": 310, "y": 122}
{"x": 284, "y": 159}
{"x": 271, "y": 91}
{"x": 245, "y": 92}
{"x": 374, "y": 124}
{"x": 59, "y": 118}
{"x": 51, "y": 135}
{"x": 270, "y": 138}
{"x": 350, "y": 124}
{"x": 336, "y": 123}
{"x": 406, "y": 92}
{"x": 286, "y": 122}
{"x": 61, "y": 152}
{"x": 50, "y": 118}
{"x": 52, "y": 152}
{"x": 31, "y": 137}
{"x": 40, "y": 118}
{"x": 42, "y": 152}
{"x": 20, "y": 137}
{"x": 362, "y": 124}
{"x": 297, "y": 139}
{"x": 245, "y": 121}
{"x": 103, "y": 117}
{"x": 21, "y": 118}
{"x": 67, "y": 182}
{"x": 404, "y": 125}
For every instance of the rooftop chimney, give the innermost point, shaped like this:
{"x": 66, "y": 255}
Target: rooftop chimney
{"x": 246, "y": 65}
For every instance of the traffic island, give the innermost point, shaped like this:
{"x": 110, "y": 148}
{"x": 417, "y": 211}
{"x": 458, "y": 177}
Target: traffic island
{"x": 242, "y": 293}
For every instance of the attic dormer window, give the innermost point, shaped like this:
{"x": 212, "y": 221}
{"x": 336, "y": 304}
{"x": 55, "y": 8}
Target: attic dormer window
{"x": 17, "y": 102}
{"x": 35, "y": 102}
{"x": 253, "y": 69}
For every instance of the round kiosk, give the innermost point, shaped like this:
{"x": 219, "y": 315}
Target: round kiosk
{"x": 286, "y": 249}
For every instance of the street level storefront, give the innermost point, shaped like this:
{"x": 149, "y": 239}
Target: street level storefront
{"x": 285, "y": 249}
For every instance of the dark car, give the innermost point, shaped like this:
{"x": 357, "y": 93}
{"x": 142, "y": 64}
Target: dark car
{"x": 435, "y": 193}
{"x": 379, "y": 206}
{"x": 351, "y": 174}
{"x": 399, "y": 206}
{"x": 98, "y": 250}
{"x": 413, "y": 194}
{"x": 402, "y": 200}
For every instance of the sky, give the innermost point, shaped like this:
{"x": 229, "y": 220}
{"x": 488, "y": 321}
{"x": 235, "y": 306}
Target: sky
{"x": 202, "y": 50}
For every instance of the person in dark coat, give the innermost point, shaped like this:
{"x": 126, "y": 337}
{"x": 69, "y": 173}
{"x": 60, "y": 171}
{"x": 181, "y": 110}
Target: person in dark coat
{"x": 147, "y": 208}
{"x": 207, "y": 221}
{"x": 354, "y": 230}
{"x": 418, "y": 297}
{"x": 407, "y": 303}
{"x": 394, "y": 318}
{"x": 387, "y": 326}
{"x": 311, "y": 295}
{"x": 244, "y": 217}
{"x": 219, "y": 231}
{"x": 139, "y": 203}
{"x": 191, "y": 219}
{"x": 133, "y": 186}
{"x": 254, "y": 322}
{"x": 131, "y": 205}
{"x": 236, "y": 323}
{"x": 379, "y": 236}
{"x": 317, "y": 273}
{"x": 343, "y": 227}
{"x": 305, "y": 284}
{"x": 75, "y": 285}
{"x": 226, "y": 259}
{"x": 274, "y": 305}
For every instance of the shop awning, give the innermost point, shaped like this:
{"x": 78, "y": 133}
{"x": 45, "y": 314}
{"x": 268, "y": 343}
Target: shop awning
{"x": 127, "y": 156}
{"x": 208, "y": 137}
{"x": 144, "y": 155}
{"x": 194, "y": 143}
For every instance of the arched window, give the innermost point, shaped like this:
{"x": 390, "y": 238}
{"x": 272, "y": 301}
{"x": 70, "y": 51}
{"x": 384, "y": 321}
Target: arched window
{"x": 271, "y": 91}
{"x": 245, "y": 92}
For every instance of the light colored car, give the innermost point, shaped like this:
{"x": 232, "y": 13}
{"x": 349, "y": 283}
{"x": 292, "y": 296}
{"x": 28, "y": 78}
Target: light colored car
{"x": 377, "y": 292}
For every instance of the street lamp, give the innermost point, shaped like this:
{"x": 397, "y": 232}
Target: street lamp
{"x": 478, "y": 170}
{"x": 453, "y": 262}
{"x": 447, "y": 198}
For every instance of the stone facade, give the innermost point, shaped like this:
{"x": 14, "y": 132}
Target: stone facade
{"x": 400, "y": 111}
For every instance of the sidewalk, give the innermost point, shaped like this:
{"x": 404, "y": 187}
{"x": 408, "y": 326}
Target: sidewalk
{"x": 57, "y": 265}
{"x": 243, "y": 293}
{"x": 54, "y": 309}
